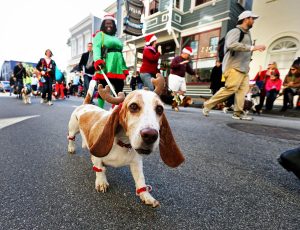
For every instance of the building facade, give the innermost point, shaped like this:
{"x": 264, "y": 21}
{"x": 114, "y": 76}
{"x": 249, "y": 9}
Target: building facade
{"x": 8, "y": 68}
{"x": 178, "y": 23}
{"x": 278, "y": 29}
{"x": 81, "y": 35}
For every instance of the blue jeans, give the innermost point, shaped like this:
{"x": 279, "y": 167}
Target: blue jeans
{"x": 271, "y": 97}
{"x": 86, "y": 83}
{"x": 146, "y": 78}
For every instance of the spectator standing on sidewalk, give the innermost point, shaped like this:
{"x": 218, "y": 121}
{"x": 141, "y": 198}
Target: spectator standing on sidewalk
{"x": 216, "y": 78}
{"x": 47, "y": 68}
{"x": 236, "y": 66}
{"x": 151, "y": 55}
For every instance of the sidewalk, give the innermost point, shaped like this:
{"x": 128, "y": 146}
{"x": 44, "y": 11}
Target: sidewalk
{"x": 275, "y": 111}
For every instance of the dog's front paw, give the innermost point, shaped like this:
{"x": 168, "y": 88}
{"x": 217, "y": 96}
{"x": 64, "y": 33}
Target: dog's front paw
{"x": 101, "y": 183}
{"x": 149, "y": 200}
{"x": 71, "y": 147}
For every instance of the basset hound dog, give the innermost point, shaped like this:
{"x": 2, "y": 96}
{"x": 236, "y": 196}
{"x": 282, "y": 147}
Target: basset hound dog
{"x": 121, "y": 136}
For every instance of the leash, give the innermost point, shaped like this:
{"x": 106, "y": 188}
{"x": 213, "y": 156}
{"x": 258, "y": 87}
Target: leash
{"x": 108, "y": 82}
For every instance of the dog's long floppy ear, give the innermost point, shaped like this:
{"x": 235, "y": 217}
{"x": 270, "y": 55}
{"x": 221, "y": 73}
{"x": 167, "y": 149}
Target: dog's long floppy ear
{"x": 169, "y": 151}
{"x": 105, "y": 140}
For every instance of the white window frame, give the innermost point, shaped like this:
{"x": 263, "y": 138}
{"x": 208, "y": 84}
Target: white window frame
{"x": 180, "y": 5}
{"x": 283, "y": 54}
{"x": 73, "y": 47}
{"x": 87, "y": 39}
{"x": 193, "y": 5}
{"x": 79, "y": 44}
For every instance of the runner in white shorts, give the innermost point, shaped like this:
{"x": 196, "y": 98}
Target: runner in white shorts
{"x": 179, "y": 66}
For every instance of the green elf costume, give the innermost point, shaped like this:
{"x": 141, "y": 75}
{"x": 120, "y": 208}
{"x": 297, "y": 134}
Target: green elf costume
{"x": 107, "y": 51}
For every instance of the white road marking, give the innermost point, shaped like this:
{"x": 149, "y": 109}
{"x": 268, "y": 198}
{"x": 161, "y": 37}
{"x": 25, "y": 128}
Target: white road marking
{"x": 10, "y": 121}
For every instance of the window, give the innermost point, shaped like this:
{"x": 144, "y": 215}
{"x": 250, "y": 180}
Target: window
{"x": 178, "y": 4}
{"x": 283, "y": 51}
{"x": 80, "y": 45}
{"x": 153, "y": 7}
{"x": 73, "y": 47}
{"x": 87, "y": 39}
{"x": 213, "y": 44}
{"x": 199, "y": 2}
{"x": 194, "y": 45}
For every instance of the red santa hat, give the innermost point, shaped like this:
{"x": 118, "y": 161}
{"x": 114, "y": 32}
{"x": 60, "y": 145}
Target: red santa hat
{"x": 109, "y": 17}
{"x": 187, "y": 50}
{"x": 150, "y": 38}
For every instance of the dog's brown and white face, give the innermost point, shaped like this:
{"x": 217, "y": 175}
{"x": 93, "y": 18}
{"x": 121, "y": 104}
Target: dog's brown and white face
{"x": 141, "y": 118}
{"x": 145, "y": 124}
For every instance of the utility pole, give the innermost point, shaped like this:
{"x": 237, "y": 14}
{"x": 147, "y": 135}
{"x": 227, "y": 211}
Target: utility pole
{"x": 119, "y": 17}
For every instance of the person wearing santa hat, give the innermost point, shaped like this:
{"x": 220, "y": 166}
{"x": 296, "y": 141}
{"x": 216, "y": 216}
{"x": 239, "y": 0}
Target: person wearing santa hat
{"x": 179, "y": 66}
{"x": 107, "y": 54}
{"x": 151, "y": 55}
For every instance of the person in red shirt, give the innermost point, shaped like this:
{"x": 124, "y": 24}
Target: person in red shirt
{"x": 273, "y": 86}
{"x": 179, "y": 66}
{"x": 151, "y": 55}
{"x": 261, "y": 79}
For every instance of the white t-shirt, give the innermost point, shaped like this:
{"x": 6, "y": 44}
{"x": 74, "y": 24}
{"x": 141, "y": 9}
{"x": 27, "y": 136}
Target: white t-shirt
{"x": 34, "y": 81}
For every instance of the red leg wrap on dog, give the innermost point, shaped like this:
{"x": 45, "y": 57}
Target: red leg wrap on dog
{"x": 97, "y": 169}
{"x": 144, "y": 189}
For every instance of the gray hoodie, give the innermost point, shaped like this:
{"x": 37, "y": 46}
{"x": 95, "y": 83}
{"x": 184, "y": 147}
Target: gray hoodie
{"x": 242, "y": 53}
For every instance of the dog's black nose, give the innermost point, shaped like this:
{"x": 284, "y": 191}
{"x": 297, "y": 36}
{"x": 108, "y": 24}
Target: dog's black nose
{"x": 149, "y": 135}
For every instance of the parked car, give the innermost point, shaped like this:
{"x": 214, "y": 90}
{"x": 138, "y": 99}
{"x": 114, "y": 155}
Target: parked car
{"x": 4, "y": 86}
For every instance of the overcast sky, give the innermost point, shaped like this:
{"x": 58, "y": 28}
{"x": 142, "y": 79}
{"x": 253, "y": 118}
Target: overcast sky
{"x": 29, "y": 27}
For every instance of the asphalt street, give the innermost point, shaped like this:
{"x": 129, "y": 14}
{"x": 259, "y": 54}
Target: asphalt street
{"x": 230, "y": 178}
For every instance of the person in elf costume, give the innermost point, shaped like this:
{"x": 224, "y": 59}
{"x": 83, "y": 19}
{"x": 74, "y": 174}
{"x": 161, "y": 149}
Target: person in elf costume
{"x": 108, "y": 57}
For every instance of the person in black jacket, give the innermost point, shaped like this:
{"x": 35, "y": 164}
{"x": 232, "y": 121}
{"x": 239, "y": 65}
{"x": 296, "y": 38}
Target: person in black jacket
{"x": 216, "y": 77}
{"x": 19, "y": 73}
{"x": 47, "y": 68}
{"x": 86, "y": 67}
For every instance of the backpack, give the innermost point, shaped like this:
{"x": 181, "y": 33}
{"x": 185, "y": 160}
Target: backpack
{"x": 221, "y": 44}
{"x": 58, "y": 74}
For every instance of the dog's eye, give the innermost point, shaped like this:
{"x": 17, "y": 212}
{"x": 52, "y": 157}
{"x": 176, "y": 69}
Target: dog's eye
{"x": 159, "y": 110}
{"x": 134, "y": 108}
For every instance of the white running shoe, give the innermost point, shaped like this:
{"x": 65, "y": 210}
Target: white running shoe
{"x": 242, "y": 117}
{"x": 205, "y": 111}
{"x": 50, "y": 103}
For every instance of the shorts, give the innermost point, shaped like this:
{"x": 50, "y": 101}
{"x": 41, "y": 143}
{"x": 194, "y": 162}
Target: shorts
{"x": 177, "y": 83}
